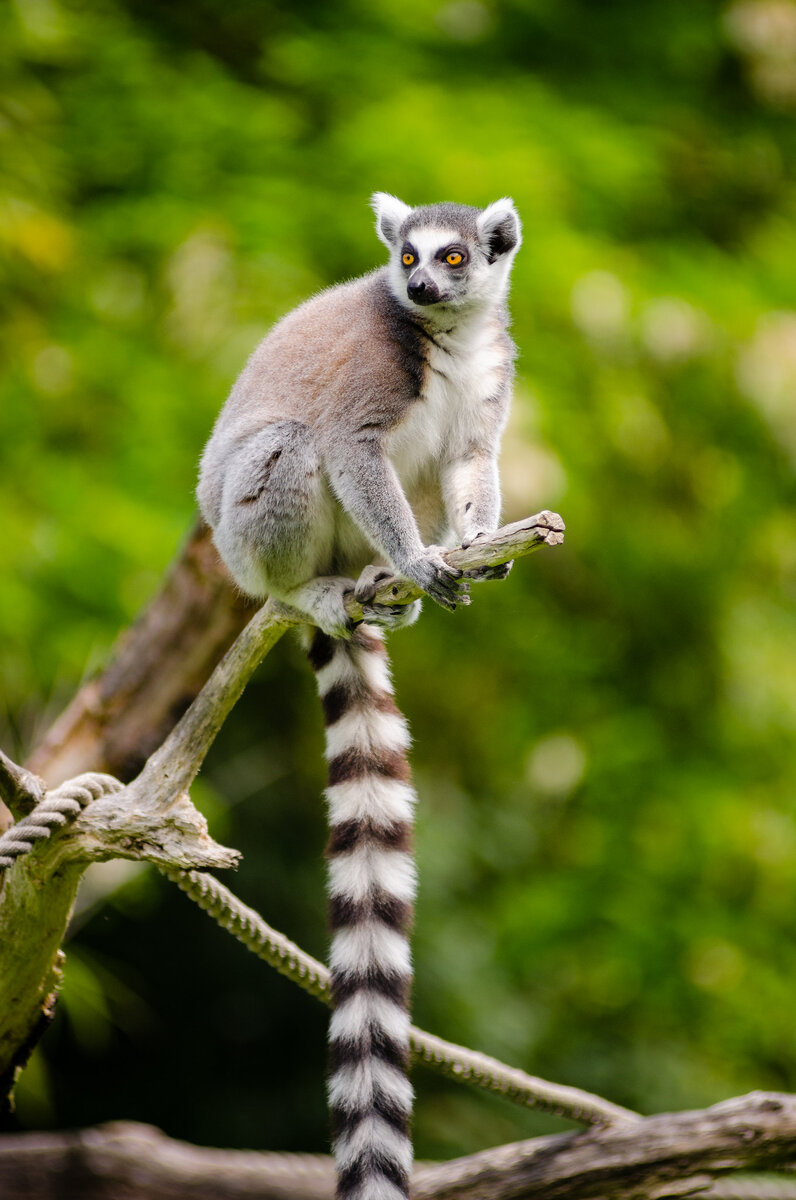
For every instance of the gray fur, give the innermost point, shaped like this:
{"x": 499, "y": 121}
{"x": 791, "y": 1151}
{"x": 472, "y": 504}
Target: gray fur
{"x": 366, "y": 426}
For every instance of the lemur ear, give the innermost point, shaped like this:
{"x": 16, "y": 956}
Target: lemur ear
{"x": 390, "y": 216}
{"x": 499, "y": 228}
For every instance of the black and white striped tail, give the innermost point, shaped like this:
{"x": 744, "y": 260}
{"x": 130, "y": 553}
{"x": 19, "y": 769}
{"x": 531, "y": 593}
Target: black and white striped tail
{"x": 371, "y": 893}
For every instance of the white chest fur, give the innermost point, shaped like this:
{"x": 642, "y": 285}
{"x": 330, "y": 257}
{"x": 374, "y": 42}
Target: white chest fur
{"x": 463, "y": 369}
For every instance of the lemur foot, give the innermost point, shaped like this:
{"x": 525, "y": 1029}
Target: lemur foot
{"x": 388, "y": 616}
{"x": 322, "y": 602}
{"x": 330, "y": 614}
{"x": 392, "y": 616}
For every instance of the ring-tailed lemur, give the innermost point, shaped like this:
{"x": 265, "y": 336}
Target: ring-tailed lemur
{"x": 366, "y": 427}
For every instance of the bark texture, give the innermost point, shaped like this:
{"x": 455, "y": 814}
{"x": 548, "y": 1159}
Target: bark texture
{"x": 670, "y": 1154}
{"x": 160, "y": 664}
{"x": 151, "y": 818}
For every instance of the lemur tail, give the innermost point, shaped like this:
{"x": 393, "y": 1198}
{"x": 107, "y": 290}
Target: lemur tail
{"x": 371, "y": 892}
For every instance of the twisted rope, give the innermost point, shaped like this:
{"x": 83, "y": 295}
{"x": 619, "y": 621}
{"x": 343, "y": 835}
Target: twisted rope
{"x": 65, "y": 803}
{"x": 249, "y": 928}
{"x": 57, "y": 808}
{"x": 457, "y": 1062}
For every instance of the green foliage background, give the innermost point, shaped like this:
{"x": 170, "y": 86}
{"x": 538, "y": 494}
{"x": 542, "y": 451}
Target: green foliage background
{"x": 604, "y": 744}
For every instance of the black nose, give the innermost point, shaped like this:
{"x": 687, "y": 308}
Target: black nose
{"x": 422, "y": 289}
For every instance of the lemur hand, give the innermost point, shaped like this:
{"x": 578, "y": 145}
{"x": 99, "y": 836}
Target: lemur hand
{"x": 442, "y": 583}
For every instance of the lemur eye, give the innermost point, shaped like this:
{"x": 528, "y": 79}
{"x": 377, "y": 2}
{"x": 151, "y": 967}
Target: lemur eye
{"x": 454, "y": 258}
{"x": 407, "y": 259}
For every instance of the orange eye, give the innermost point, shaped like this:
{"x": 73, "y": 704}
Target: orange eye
{"x": 454, "y": 258}
{"x": 407, "y": 259}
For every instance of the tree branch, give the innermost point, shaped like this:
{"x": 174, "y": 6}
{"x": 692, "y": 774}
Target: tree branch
{"x": 457, "y": 1062}
{"x": 20, "y": 790}
{"x": 507, "y": 543}
{"x": 671, "y": 1154}
{"x": 663, "y": 1155}
{"x": 152, "y": 817}
{"x": 163, "y": 660}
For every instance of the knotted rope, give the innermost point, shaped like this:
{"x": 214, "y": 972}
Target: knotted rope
{"x": 58, "y": 807}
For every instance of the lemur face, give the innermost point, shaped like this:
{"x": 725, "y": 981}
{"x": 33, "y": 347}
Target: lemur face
{"x": 446, "y": 256}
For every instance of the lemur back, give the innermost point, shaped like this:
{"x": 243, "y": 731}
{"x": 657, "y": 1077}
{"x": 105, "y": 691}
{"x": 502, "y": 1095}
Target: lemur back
{"x": 362, "y": 436}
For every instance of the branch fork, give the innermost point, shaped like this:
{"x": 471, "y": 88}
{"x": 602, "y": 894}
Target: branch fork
{"x": 151, "y": 818}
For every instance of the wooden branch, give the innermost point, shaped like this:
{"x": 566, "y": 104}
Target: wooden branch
{"x": 457, "y": 1062}
{"x": 671, "y": 1154}
{"x": 507, "y": 543}
{"x": 183, "y": 751}
{"x": 138, "y": 1162}
{"x": 38, "y": 893}
{"x": 152, "y": 818}
{"x": 20, "y": 790}
{"x": 664, "y": 1155}
{"x": 118, "y": 719}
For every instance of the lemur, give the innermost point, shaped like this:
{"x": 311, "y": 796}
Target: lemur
{"x": 361, "y": 437}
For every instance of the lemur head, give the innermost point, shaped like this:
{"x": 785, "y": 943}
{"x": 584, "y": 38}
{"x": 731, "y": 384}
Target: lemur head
{"x": 448, "y": 256}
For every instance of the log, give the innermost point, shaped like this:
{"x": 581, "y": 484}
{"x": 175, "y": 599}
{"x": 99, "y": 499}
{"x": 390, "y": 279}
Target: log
{"x": 670, "y": 1154}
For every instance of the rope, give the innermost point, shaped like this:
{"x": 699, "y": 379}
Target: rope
{"x": 249, "y": 928}
{"x": 471, "y": 1066}
{"x": 64, "y": 804}
{"x": 457, "y": 1062}
{"x": 58, "y": 807}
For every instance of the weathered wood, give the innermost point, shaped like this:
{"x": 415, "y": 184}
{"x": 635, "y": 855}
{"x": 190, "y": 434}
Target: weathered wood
{"x": 20, "y": 790}
{"x": 670, "y": 1154}
{"x": 152, "y": 817}
{"x": 116, "y": 720}
{"x": 38, "y": 893}
{"x": 137, "y": 1162}
{"x": 507, "y": 543}
{"x": 663, "y": 1155}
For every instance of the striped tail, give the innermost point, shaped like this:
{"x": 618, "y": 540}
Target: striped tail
{"x": 371, "y": 892}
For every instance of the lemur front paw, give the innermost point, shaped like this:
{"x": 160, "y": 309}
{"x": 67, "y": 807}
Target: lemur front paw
{"x": 445, "y": 585}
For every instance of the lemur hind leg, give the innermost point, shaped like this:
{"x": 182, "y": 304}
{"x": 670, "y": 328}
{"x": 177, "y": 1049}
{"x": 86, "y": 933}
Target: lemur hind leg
{"x": 276, "y": 528}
